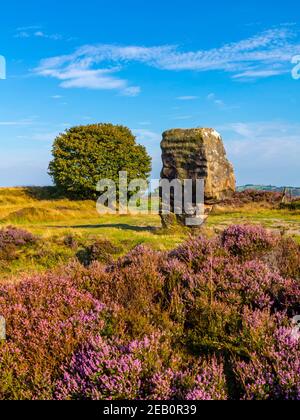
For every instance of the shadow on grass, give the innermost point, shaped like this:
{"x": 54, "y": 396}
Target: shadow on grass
{"x": 121, "y": 226}
{"x": 44, "y": 193}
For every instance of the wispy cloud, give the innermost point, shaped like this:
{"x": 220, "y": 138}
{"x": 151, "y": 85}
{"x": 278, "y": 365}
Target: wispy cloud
{"x": 260, "y": 74}
{"x": 147, "y": 136}
{"x": 35, "y": 32}
{"x": 131, "y": 91}
{"x": 16, "y": 123}
{"x": 77, "y": 73}
{"x": 40, "y": 136}
{"x": 220, "y": 103}
{"x": 151, "y": 140}
{"x": 26, "y": 31}
{"x": 145, "y": 123}
{"x": 97, "y": 66}
{"x": 268, "y": 150}
{"x": 213, "y": 98}
{"x": 182, "y": 117}
{"x": 187, "y": 98}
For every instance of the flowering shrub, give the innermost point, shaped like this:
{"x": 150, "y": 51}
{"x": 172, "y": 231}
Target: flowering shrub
{"x": 101, "y": 371}
{"x": 71, "y": 242}
{"x": 273, "y": 374}
{"x": 95, "y": 331}
{"x": 209, "y": 384}
{"x": 251, "y": 283}
{"x": 247, "y": 241}
{"x": 287, "y": 258}
{"x": 47, "y": 316}
{"x": 11, "y": 239}
{"x": 195, "y": 252}
{"x": 15, "y": 236}
{"x": 138, "y": 370}
{"x": 101, "y": 251}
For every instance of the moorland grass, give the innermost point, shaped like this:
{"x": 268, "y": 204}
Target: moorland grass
{"x": 52, "y": 218}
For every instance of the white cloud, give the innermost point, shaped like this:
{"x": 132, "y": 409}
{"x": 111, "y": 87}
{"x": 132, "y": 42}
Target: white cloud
{"x": 22, "y": 34}
{"x": 144, "y": 123}
{"x": 260, "y": 74}
{"x": 213, "y": 98}
{"x": 182, "y": 117}
{"x": 35, "y": 32}
{"x": 40, "y": 136}
{"x": 131, "y": 91}
{"x": 16, "y": 123}
{"x": 147, "y": 136}
{"x": 187, "y": 98}
{"x": 151, "y": 140}
{"x": 44, "y": 137}
{"x": 74, "y": 73}
{"x": 41, "y": 34}
{"x": 96, "y": 66}
{"x": 90, "y": 79}
{"x": 264, "y": 152}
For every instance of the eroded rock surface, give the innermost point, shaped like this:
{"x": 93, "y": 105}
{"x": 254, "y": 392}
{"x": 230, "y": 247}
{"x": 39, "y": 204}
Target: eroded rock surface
{"x": 198, "y": 154}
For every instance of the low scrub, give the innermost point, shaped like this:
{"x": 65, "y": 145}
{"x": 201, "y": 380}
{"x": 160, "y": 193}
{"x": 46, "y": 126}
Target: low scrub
{"x": 102, "y": 251}
{"x": 211, "y": 320}
{"x": 254, "y": 196}
{"x": 12, "y": 239}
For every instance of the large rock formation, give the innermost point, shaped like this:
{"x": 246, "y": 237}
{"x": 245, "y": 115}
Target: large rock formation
{"x": 198, "y": 154}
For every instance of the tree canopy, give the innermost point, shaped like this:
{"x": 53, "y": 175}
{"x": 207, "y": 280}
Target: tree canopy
{"x": 84, "y": 155}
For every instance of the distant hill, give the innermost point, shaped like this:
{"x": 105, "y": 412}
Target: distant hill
{"x": 294, "y": 190}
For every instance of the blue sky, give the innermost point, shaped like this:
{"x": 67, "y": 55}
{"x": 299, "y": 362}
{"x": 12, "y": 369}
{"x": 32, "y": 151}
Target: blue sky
{"x": 152, "y": 66}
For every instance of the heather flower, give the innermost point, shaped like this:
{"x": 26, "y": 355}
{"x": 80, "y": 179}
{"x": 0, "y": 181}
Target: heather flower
{"x": 274, "y": 373}
{"x": 195, "y": 251}
{"x": 102, "y": 369}
{"x": 112, "y": 370}
{"x": 47, "y": 317}
{"x": 210, "y": 383}
{"x": 161, "y": 386}
{"x": 15, "y": 236}
{"x": 11, "y": 239}
{"x": 90, "y": 332}
{"x": 247, "y": 241}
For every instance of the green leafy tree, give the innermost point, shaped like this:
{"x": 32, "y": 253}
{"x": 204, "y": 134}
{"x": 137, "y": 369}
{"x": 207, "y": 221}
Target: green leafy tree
{"x": 84, "y": 155}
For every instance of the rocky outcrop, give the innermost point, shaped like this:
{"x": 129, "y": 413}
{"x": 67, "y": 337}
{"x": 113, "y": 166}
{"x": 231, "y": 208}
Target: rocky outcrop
{"x": 198, "y": 154}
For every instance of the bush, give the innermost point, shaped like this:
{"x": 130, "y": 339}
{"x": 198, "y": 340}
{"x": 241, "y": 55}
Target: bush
{"x": 47, "y": 317}
{"x": 210, "y": 320}
{"x": 101, "y": 251}
{"x": 247, "y": 241}
{"x": 140, "y": 370}
{"x": 242, "y": 198}
{"x": 293, "y": 206}
{"x": 11, "y": 239}
{"x": 84, "y": 155}
{"x": 275, "y": 373}
{"x": 71, "y": 242}
{"x": 287, "y": 258}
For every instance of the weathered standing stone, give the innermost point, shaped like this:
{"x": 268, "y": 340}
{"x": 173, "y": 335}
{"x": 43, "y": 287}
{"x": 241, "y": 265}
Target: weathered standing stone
{"x": 198, "y": 154}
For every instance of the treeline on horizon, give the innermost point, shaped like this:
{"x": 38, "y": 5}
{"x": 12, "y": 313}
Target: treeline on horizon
{"x": 295, "y": 191}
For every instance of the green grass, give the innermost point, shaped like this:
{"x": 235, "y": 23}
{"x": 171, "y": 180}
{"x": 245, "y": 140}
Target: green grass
{"x": 52, "y": 220}
{"x": 41, "y": 212}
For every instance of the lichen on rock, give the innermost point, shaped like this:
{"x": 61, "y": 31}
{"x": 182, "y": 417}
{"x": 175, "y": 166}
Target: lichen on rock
{"x": 198, "y": 154}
